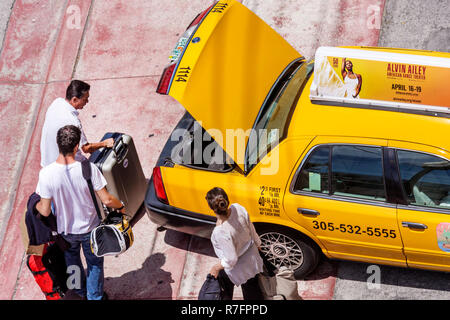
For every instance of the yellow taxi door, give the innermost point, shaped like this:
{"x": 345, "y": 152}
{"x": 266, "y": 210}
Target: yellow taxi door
{"x": 425, "y": 220}
{"x": 338, "y": 193}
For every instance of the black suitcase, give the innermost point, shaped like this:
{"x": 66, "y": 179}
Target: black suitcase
{"x": 122, "y": 170}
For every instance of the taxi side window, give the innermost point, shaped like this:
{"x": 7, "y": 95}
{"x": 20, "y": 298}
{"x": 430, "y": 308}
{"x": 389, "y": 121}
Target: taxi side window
{"x": 425, "y": 179}
{"x": 356, "y": 171}
{"x": 314, "y": 175}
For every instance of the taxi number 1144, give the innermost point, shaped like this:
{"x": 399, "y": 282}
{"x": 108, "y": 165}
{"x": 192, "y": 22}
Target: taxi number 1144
{"x": 353, "y": 229}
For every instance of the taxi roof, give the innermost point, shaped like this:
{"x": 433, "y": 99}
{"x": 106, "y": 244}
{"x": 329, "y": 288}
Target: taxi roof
{"x": 329, "y": 120}
{"x": 398, "y": 79}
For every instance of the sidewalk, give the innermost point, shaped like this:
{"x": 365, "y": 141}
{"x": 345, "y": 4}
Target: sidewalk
{"x": 120, "y": 48}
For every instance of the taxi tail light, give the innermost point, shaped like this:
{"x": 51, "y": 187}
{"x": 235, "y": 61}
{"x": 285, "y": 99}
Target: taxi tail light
{"x": 199, "y": 17}
{"x": 164, "y": 82}
{"x": 159, "y": 186}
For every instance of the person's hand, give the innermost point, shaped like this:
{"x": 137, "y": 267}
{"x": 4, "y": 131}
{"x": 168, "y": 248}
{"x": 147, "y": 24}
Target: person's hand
{"x": 108, "y": 143}
{"x": 215, "y": 270}
{"x": 122, "y": 210}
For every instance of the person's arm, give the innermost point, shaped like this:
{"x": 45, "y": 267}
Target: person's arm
{"x": 99, "y": 184}
{"x": 109, "y": 200}
{"x": 255, "y": 236}
{"x": 358, "y": 87}
{"x": 225, "y": 251}
{"x": 91, "y": 147}
{"x": 44, "y": 206}
{"x": 343, "y": 72}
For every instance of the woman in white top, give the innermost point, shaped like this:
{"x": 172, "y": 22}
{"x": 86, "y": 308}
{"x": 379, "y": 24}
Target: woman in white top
{"x": 236, "y": 244}
{"x": 352, "y": 81}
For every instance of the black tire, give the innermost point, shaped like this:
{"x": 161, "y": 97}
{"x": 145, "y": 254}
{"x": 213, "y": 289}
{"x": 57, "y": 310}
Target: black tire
{"x": 283, "y": 246}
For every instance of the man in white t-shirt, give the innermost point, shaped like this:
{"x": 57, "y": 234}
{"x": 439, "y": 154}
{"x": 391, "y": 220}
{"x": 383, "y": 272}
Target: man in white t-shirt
{"x": 62, "y": 183}
{"x": 64, "y": 112}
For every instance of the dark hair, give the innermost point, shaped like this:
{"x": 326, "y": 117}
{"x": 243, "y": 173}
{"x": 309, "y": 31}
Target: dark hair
{"x": 67, "y": 138}
{"x": 77, "y": 88}
{"x": 218, "y": 200}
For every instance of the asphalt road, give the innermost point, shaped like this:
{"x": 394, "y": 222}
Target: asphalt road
{"x": 416, "y": 24}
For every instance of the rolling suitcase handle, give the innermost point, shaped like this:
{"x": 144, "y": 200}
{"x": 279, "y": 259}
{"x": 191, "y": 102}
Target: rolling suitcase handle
{"x": 120, "y": 149}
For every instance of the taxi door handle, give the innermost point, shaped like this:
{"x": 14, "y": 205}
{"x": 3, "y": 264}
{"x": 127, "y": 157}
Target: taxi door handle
{"x": 308, "y": 212}
{"x": 414, "y": 225}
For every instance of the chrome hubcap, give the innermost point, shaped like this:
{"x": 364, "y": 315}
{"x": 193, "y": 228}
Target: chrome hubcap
{"x": 281, "y": 250}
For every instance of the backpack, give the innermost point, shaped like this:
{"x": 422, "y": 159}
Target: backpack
{"x": 49, "y": 271}
{"x": 211, "y": 289}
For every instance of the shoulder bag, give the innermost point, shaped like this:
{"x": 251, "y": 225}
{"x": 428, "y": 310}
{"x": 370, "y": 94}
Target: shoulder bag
{"x": 114, "y": 234}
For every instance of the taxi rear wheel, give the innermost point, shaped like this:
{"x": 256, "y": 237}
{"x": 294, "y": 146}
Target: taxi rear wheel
{"x": 285, "y": 247}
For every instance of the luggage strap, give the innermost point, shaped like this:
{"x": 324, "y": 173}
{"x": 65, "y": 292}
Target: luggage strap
{"x": 51, "y": 294}
{"x": 31, "y": 269}
{"x": 86, "y": 170}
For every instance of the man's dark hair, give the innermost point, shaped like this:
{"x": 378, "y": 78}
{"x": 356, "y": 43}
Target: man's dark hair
{"x": 67, "y": 138}
{"x": 77, "y": 88}
{"x": 218, "y": 201}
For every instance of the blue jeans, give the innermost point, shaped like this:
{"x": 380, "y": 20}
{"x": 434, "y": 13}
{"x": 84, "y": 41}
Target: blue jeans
{"x": 90, "y": 286}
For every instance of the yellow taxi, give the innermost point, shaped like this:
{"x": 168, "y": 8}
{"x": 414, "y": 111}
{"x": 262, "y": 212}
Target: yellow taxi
{"x": 347, "y": 155}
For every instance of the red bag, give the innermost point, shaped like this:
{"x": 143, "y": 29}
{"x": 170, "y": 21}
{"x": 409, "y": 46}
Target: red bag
{"x": 48, "y": 271}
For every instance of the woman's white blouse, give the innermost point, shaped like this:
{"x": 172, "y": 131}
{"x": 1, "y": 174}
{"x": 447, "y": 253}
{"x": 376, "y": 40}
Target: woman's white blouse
{"x": 235, "y": 243}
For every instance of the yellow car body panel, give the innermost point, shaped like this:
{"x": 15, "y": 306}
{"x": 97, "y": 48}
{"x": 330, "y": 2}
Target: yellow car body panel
{"x": 421, "y": 246}
{"x": 232, "y": 68}
{"x": 260, "y": 194}
{"x": 342, "y": 224}
{"x": 226, "y": 85}
{"x": 313, "y": 119}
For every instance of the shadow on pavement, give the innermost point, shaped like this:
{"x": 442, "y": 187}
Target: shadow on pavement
{"x": 196, "y": 244}
{"x": 149, "y": 282}
{"x": 325, "y": 269}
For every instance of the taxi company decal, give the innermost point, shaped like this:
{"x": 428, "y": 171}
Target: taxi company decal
{"x": 443, "y": 236}
{"x": 269, "y": 201}
{"x": 353, "y": 80}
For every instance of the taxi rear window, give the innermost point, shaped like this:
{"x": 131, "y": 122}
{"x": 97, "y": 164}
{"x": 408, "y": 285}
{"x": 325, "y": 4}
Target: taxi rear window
{"x": 344, "y": 170}
{"x": 273, "y": 120}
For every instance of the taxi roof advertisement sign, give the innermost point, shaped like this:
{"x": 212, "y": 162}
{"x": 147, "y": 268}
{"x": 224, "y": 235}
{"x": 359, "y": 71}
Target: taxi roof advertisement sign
{"x": 376, "y": 78}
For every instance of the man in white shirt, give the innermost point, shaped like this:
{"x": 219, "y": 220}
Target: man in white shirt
{"x": 62, "y": 183}
{"x": 65, "y": 112}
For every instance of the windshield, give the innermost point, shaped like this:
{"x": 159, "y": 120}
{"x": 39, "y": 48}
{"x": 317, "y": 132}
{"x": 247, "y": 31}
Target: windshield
{"x": 273, "y": 120}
